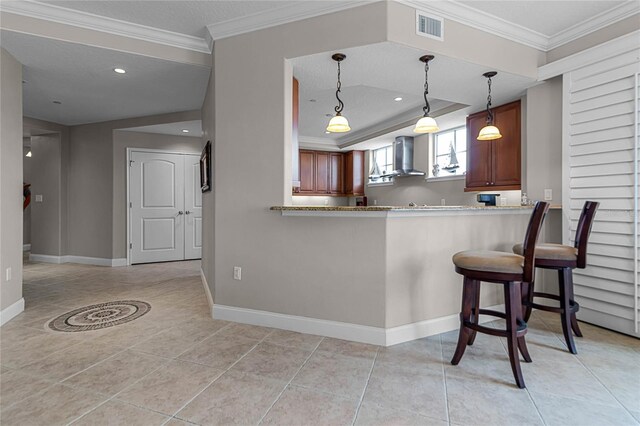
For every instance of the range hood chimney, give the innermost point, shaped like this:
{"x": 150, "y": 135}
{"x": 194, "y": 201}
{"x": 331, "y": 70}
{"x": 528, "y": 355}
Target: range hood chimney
{"x": 403, "y": 148}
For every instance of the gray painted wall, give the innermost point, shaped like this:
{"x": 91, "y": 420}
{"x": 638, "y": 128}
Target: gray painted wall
{"x": 121, "y": 141}
{"x": 47, "y": 216}
{"x": 208, "y": 198}
{"x": 26, "y": 177}
{"x": 10, "y": 179}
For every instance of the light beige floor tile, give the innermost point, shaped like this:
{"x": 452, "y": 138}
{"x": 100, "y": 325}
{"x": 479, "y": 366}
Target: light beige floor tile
{"x": 419, "y": 354}
{"x": 16, "y": 386}
{"x": 623, "y": 381}
{"x": 333, "y": 373}
{"x": 473, "y": 401}
{"x": 293, "y": 339}
{"x": 177, "y": 340}
{"x": 299, "y": 406}
{"x": 116, "y": 373}
{"x": 375, "y": 415}
{"x": 275, "y": 362}
{"x": 345, "y": 347}
{"x": 176, "y": 422}
{"x": 408, "y": 390}
{"x": 559, "y": 411}
{"x": 480, "y": 365}
{"x": 57, "y": 405}
{"x": 246, "y": 330}
{"x": 219, "y": 351}
{"x": 67, "y": 362}
{"x": 170, "y": 387}
{"x": 36, "y": 348}
{"x": 116, "y": 413}
{"x": 636, "y": 415}
{"x": 234, "y": 398}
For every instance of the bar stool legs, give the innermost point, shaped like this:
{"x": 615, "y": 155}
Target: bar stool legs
{"x": 514, "y": 332}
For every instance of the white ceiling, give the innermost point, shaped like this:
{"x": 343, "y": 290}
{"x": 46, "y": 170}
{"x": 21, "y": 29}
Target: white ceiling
{"x": 543, "y": 16}
{"x": 194, "y": 128}
{"x": 82, "y": 78}
{"x": 373, "y": 75}
{"x": 185, "y": 17}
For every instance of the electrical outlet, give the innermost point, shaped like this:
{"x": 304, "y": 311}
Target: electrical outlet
{"x": 443, "y": 202}
{"x": 503, "y": 201}
{"x": 38, "y": 198}
{"x": 237, "y": 273}
{"x": 8, "y": 274}
{"x": 326, "y": 202}
{"x": 375, "y": 202}
{"x": 548, "y": 195}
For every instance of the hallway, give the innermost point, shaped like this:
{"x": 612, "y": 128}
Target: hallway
{"x": 175, "y": 365}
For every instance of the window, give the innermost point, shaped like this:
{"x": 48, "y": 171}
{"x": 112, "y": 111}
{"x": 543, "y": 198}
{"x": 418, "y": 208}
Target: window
{"x": 381, "y": 163}
{"x": 449, "y": 156}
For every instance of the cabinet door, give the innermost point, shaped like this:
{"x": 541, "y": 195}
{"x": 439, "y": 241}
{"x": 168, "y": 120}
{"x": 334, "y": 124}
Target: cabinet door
{"x": 354, "y": 173}
{"x": 506, "y": 150}
{"x": 478, "y": 154}
{"x": 307, "y": 172}
{"x": 322, "y": 173}
{"x": 336, "y": 175}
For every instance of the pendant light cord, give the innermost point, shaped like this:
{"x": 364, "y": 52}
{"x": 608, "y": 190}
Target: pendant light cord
{"x": 340, "y": 105}
{"x": 489, "y": 113}
{"x": 427, "y": 107}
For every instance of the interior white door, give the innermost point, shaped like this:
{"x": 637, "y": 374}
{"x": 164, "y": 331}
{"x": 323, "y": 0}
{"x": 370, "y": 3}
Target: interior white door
{"x": 193, "y": 208}
{"x": 157, "y": 207}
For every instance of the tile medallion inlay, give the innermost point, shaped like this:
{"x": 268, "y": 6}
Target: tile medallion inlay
{"x": 102, "y": 315}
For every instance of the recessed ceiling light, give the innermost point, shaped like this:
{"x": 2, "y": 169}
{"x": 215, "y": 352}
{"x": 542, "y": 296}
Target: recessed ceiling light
{"x": 57, "y": 102}
{"x": 398, "y": 99}
{"x": 120, "y": 70}
{"x": 185, "y": 131}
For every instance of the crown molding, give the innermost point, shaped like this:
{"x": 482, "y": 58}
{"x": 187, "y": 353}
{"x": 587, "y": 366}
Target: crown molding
{"x": 595, "y": 23}
{"x": 486, "y": 22}
{"x": 481, "y": 20}
{"x": 310, "y": 142}
{"x": 61, "y": 15}
{"x": 278, "y": 16}
{"x": 617, "y": 46}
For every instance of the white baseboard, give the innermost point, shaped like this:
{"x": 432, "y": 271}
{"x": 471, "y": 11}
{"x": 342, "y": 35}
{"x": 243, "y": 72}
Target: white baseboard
{"x": 341, "y": 330}
{"x": 98, "y": 261}
{"x": 26, "y": 247}
{"x": 11, "y": 311}
{"x": 207, "y": 290}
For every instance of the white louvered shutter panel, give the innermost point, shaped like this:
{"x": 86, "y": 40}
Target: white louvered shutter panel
{"x": 601, "y": 108}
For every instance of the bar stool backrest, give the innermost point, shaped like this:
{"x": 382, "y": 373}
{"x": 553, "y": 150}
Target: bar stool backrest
{"x": 531, "y": 238}
{"x": 584, "y": 230}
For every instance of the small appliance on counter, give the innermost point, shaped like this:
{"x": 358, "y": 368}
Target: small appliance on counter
{"x": 361, "y": 202}
{"x": 487, "y": 199}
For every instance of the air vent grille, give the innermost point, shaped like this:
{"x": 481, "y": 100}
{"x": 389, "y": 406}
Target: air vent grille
{"x": 429, "y": 25}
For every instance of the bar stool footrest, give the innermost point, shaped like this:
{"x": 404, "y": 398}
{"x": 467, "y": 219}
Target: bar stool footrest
{"x": 573, "y": 307}
{"x": 521, "y": 325}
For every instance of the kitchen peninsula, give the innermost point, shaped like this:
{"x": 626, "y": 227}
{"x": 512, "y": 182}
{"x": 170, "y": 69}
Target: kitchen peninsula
{"x": 404, "y": 278}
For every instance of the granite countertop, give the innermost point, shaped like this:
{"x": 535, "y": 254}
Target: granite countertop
{"x": 397, "y": 208}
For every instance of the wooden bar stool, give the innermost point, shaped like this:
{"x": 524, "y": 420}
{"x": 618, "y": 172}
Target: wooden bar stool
{"x": 563, "y": 259}
{"x": 507, "y": 269}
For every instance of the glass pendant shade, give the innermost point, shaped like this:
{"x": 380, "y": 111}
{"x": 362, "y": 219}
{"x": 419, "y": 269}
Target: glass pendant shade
{"x": 489, "y": 133}
{"x": 338, "y": 124}
{"x": 426, "y": 125}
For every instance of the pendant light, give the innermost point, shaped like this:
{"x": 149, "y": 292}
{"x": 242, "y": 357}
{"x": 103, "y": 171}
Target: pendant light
{"x": 426, "y": 124}
{"x": 489, "y": 132}
{"x": 338, "y": 123}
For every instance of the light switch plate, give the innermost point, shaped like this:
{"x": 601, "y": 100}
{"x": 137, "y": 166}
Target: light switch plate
{"x": 237, "y": 273}
{"x": 38, "y": 198}
{"x": 548, "y": 195}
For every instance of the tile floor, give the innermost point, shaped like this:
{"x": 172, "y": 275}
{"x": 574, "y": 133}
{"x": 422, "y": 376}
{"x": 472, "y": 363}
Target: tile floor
{"x": 176, "y": 366}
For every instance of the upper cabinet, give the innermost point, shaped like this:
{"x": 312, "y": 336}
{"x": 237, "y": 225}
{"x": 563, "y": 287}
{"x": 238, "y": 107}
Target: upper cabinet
{"x": 494, "y": 165}
{"x": 331, "y": 173}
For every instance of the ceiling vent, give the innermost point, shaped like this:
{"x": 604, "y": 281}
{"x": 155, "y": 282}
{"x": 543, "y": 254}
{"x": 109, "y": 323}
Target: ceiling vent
{"x": 429, "y": 25}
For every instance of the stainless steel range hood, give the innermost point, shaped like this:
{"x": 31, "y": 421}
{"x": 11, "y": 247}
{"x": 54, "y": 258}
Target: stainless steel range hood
{"x": 403, "y": 148}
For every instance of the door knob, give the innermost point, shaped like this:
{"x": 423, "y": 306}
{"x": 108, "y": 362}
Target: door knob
{"x": 187, "y": 212}
{"x": 180, "y": 212}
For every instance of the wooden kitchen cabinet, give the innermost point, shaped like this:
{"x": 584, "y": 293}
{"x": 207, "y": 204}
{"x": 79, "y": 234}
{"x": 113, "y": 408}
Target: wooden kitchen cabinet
{"x": 354, "y": 173}
{"x": 494, "y": 165}
{"x": 331, "y": 173}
